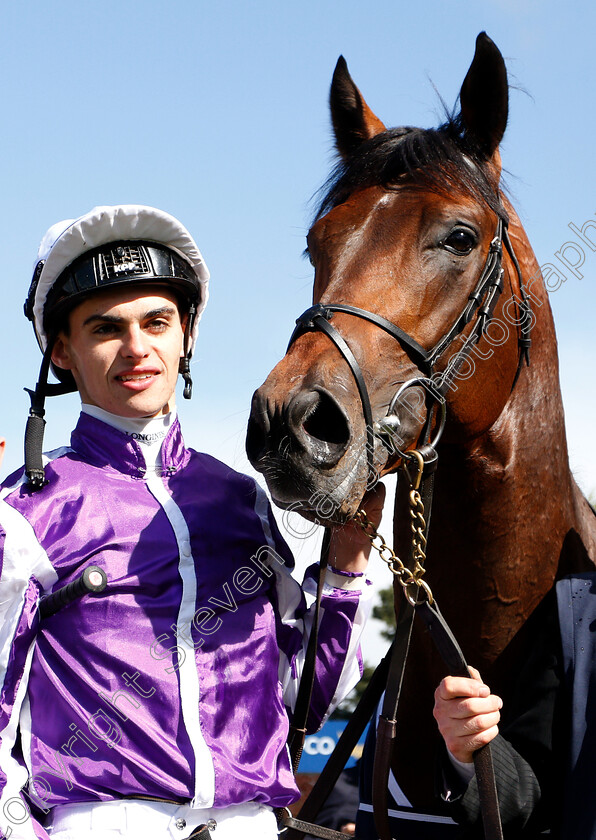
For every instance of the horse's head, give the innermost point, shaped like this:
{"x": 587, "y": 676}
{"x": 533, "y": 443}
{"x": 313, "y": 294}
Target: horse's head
{"x": 406, "y": 232}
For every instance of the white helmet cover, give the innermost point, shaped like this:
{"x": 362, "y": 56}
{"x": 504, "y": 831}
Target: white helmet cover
{"x": 66, "y": 241}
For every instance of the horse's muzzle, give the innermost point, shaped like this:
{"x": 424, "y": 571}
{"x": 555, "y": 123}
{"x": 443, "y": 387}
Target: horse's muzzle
{"x": 310, "y": 431}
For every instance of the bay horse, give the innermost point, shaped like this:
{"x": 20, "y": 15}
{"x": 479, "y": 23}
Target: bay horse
{"x": 408, "y": 224}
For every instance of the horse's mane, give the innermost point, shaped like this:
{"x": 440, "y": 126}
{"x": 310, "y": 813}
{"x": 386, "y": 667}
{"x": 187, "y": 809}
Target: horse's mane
{"x": 441, "y": 159}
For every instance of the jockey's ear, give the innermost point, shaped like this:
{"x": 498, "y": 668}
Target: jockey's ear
{"x": 484, "y": 97}
{"x": 353, "y": 121}
{"x": 60, "y": 353}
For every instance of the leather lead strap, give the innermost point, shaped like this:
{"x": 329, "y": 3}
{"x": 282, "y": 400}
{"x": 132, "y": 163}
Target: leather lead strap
{"x": 200, "y": 833}
{"x": 453, "y": 657}
{"x": 336, "y": 762}
{"x": 297, "y": 732}
{"x": 386, "y": 727}
{"x": 298, "y": 828}
{"x": 302, "y": 705}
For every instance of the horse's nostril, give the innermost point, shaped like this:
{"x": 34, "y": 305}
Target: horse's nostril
{"x": 311, "y": 426}
{"x": 326, "y": 422}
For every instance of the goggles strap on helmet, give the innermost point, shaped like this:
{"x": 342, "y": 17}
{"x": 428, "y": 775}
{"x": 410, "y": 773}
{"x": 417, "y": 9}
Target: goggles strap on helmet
{"x": 184, "y": 366}
{"x": 34, "y": 430}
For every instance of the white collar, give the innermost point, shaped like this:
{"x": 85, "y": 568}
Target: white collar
{"x": 143, "y": 429}
{"x": 148, "y": 431}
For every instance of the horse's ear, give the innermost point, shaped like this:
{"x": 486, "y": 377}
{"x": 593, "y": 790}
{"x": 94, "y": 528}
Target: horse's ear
{"x": 353, "y": 121}
{"x": 484, "y": 96}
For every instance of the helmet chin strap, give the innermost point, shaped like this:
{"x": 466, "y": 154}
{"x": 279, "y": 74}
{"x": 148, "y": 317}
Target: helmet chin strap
{"x": 34, "y": 430}
{"x": 184, "y": 370}
{"x": 184, "y": 366}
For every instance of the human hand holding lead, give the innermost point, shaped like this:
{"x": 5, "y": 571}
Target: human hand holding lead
{"x": 467, "y": 714}
{"x": 350, "y": 546}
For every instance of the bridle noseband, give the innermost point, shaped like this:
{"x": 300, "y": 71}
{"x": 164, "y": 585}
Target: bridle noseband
{"x": 481, "y": 303}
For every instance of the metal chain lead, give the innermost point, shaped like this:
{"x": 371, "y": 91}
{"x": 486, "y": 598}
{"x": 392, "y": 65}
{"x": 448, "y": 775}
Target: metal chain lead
{"x": 418, "y": 526}
{"x": 411, "y": 580}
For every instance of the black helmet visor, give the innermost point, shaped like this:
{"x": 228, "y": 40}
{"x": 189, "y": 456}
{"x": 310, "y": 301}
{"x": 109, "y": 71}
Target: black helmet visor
{"x": 116, "y": 264}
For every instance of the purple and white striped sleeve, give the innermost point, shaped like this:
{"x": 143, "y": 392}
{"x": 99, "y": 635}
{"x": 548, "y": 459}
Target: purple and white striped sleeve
{"x": 24, "y": 570}
{"x": 345, "y": 606}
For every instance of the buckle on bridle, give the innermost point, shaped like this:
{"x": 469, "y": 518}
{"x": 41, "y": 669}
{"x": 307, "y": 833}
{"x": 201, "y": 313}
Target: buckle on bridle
{"x": 390, "y": 423}
{"x": 318, "y": 310}
{"x": 496, "y": 246}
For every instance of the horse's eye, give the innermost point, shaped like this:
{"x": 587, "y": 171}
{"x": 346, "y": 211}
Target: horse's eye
{"x": 460, "y": 241}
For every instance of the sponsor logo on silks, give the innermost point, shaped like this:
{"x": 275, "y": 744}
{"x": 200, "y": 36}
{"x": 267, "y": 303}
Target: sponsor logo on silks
{"x": 146, "y": 438}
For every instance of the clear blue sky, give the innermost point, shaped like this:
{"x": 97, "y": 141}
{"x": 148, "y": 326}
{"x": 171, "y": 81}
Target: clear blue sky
{"x": 217, "y": 112}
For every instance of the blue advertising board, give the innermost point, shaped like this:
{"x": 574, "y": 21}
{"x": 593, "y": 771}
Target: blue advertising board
{"x": 318, "y": 747}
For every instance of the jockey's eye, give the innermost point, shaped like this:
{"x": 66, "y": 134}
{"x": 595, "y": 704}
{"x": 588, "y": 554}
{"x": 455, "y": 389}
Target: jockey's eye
{"x": 460, "y": 241}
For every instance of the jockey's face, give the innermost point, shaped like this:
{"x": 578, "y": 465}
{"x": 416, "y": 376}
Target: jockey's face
{"x": 123, "y": 349}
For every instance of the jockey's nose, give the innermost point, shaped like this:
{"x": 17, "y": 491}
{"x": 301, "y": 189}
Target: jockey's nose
{"x": 135, "y": 344}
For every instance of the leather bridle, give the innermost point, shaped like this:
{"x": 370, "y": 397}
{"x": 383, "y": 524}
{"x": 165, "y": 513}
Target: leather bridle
{"x": 481, "y": 302}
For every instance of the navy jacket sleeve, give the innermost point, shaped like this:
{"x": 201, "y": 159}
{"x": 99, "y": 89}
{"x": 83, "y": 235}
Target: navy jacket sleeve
{"x": 527, "y": 755}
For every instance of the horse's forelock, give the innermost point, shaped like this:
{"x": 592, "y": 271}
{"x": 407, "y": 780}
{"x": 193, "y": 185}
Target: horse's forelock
{"x": 437, "y": 158}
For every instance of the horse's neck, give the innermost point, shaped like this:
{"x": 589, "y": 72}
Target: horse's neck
{"x": 519, "y": 470}
{"x": 507, "y": 515}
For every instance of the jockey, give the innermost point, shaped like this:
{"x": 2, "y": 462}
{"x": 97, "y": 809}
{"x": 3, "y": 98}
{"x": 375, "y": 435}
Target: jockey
{"x": 161, "y": 703}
